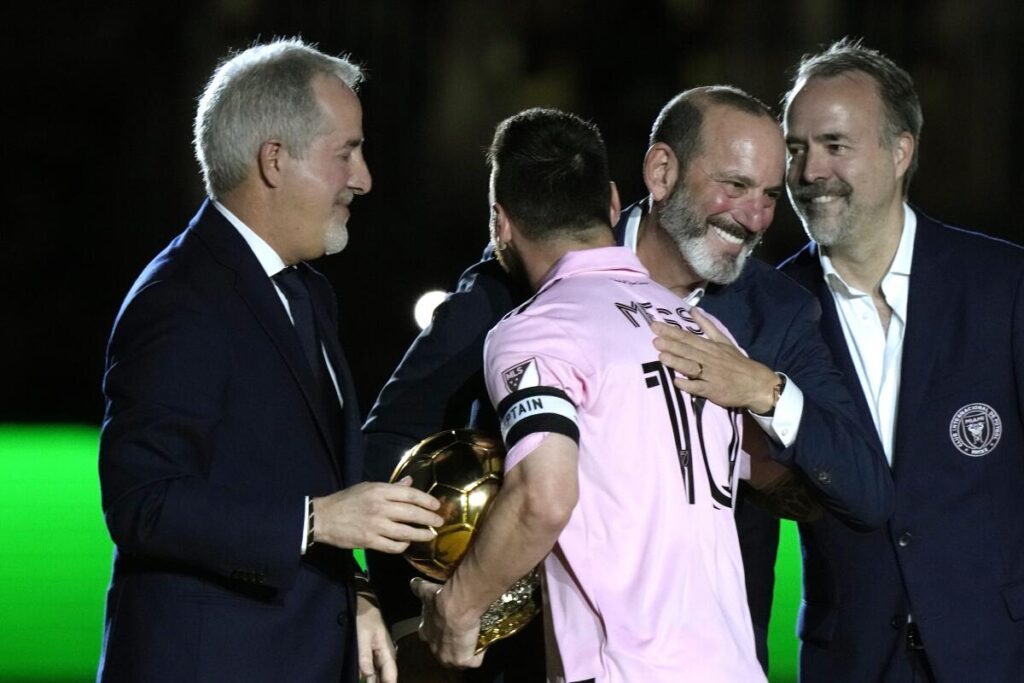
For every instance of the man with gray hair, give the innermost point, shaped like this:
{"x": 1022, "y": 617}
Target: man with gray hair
{"x": 927, "y": 321}
{"x": 230, "y": 455}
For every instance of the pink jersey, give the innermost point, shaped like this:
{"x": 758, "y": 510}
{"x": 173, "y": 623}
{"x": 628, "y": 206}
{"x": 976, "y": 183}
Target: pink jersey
{"x": 646, "y": 580}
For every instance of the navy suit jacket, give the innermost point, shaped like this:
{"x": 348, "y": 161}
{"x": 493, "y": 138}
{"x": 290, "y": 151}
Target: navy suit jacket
{"x": 770, "y": 316}
{"x": 212, "y": 437}
{"x": 953, "y": 552}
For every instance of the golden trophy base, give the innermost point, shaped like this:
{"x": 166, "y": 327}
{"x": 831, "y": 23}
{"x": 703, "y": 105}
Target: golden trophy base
{"x": 510, "y": 612}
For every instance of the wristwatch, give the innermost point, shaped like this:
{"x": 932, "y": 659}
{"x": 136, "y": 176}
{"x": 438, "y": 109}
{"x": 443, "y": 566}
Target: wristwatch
{"x": 777, "y": 390}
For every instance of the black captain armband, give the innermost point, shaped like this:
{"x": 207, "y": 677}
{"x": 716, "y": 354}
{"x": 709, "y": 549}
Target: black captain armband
{"x": 537, "y": 409}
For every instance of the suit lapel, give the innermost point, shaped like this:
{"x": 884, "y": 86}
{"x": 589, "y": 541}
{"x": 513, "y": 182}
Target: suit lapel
{"x": 733, "y": 309}
{"x": 258, "y": 293}
{"x": 926, "y": 321}
{"x": 930, "y": 282}
{"x": 325, "y": 305}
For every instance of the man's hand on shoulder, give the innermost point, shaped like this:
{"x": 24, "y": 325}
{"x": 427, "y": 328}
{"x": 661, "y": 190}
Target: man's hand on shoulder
{"x": 713, "y": 367}
{"x": 381, "y": 517}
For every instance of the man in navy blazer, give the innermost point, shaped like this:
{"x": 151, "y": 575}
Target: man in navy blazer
{"x": 230, "y": 455}
{"x": 927, "y": 321}
{"x": 714, "y": 170}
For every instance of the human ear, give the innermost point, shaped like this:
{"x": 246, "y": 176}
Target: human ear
{"x": 270, "y": 160}
{"x": 903, "y": 153}
{"x": 661, "y": 170}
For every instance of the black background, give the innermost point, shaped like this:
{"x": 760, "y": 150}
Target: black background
{"x": 100, "y": 174}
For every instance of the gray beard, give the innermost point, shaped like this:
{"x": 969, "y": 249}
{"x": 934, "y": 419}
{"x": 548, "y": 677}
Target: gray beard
{"x": 827, "y": 232}
{"x": 336, "y": 238}
{"x": 689, "y": 231}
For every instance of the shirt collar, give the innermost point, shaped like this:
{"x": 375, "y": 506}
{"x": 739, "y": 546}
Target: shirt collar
{"x": 833, "y": 279}
{"x": 632, "y": 231}
{"x": 905, "y": 252}
{"x": 900, "y": 265}
{"x": 592, "y": 260}
{"x": 265, "y": 254}
{"x": 896, "y": 283}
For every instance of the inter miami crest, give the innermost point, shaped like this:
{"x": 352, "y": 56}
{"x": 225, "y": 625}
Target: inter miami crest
{"x": 521, "y": 376}
{"x": 975, "y": 429}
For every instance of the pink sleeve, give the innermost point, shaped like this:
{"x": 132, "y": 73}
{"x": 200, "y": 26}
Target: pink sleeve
{"x": 536, "y": 377}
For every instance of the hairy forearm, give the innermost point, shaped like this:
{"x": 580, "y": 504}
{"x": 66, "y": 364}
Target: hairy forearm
{"x": 521, "y": 528}
{"x": 513, "y": 541}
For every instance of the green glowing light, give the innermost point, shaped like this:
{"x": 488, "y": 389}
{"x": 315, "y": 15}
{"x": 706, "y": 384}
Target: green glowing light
{"x": 55, "y": 560}
{"x": 54, "y": 553}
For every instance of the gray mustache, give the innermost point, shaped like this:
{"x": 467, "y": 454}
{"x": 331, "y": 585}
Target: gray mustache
{"x": 809, "y": 192}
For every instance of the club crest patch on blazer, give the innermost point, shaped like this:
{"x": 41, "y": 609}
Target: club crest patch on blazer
{"x": 975, "y": 429}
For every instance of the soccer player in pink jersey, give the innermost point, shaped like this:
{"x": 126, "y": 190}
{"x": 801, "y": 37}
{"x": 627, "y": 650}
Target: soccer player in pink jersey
{"x": 619, "y": 482}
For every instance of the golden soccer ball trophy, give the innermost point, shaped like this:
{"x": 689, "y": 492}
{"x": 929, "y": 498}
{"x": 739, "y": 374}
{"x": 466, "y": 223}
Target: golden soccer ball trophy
{"x": 463, "y": 469}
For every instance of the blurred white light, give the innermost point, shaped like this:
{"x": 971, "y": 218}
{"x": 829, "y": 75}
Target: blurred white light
{"x": 425, "y": 307}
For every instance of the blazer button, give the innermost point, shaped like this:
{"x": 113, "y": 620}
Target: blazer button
{"x": 825, "y": 477}
{"x": 897, "y": 621}
{"x": 904, "y": 540}
{"x": 342, "y": 619}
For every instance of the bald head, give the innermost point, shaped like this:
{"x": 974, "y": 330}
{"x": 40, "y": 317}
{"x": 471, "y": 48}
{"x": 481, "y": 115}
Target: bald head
{"x": 680, "y": 123}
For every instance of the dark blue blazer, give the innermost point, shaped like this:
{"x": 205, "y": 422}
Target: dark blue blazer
{"x": 771, "y": 317}
{"x": 953, "y": 552}
{"x": 212, "y": 437}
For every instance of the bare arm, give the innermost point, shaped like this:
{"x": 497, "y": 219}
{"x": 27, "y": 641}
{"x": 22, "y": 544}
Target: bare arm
{"x": 534, "y": 505}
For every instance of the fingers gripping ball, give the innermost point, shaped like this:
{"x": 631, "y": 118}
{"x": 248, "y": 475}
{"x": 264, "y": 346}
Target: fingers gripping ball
{"x": 463, "y": 469}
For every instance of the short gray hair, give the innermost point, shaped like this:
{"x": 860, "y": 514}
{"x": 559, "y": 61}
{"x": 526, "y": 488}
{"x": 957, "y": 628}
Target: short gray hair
{"x": 262, "y": 93}
{"x": 901, "y": 106}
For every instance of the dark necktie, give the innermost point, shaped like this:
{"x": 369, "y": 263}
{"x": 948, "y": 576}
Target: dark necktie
{"x": 292, "y": 282}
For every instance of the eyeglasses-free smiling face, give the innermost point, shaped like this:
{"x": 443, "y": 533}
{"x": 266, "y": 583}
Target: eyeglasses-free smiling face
{"x": 725, "y": 199}
{"x": 844, "y": 174}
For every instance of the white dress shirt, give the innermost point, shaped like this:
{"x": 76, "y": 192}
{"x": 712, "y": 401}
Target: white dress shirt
{"x": 272, "y": 264}
{"x": 877, "y": 354}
